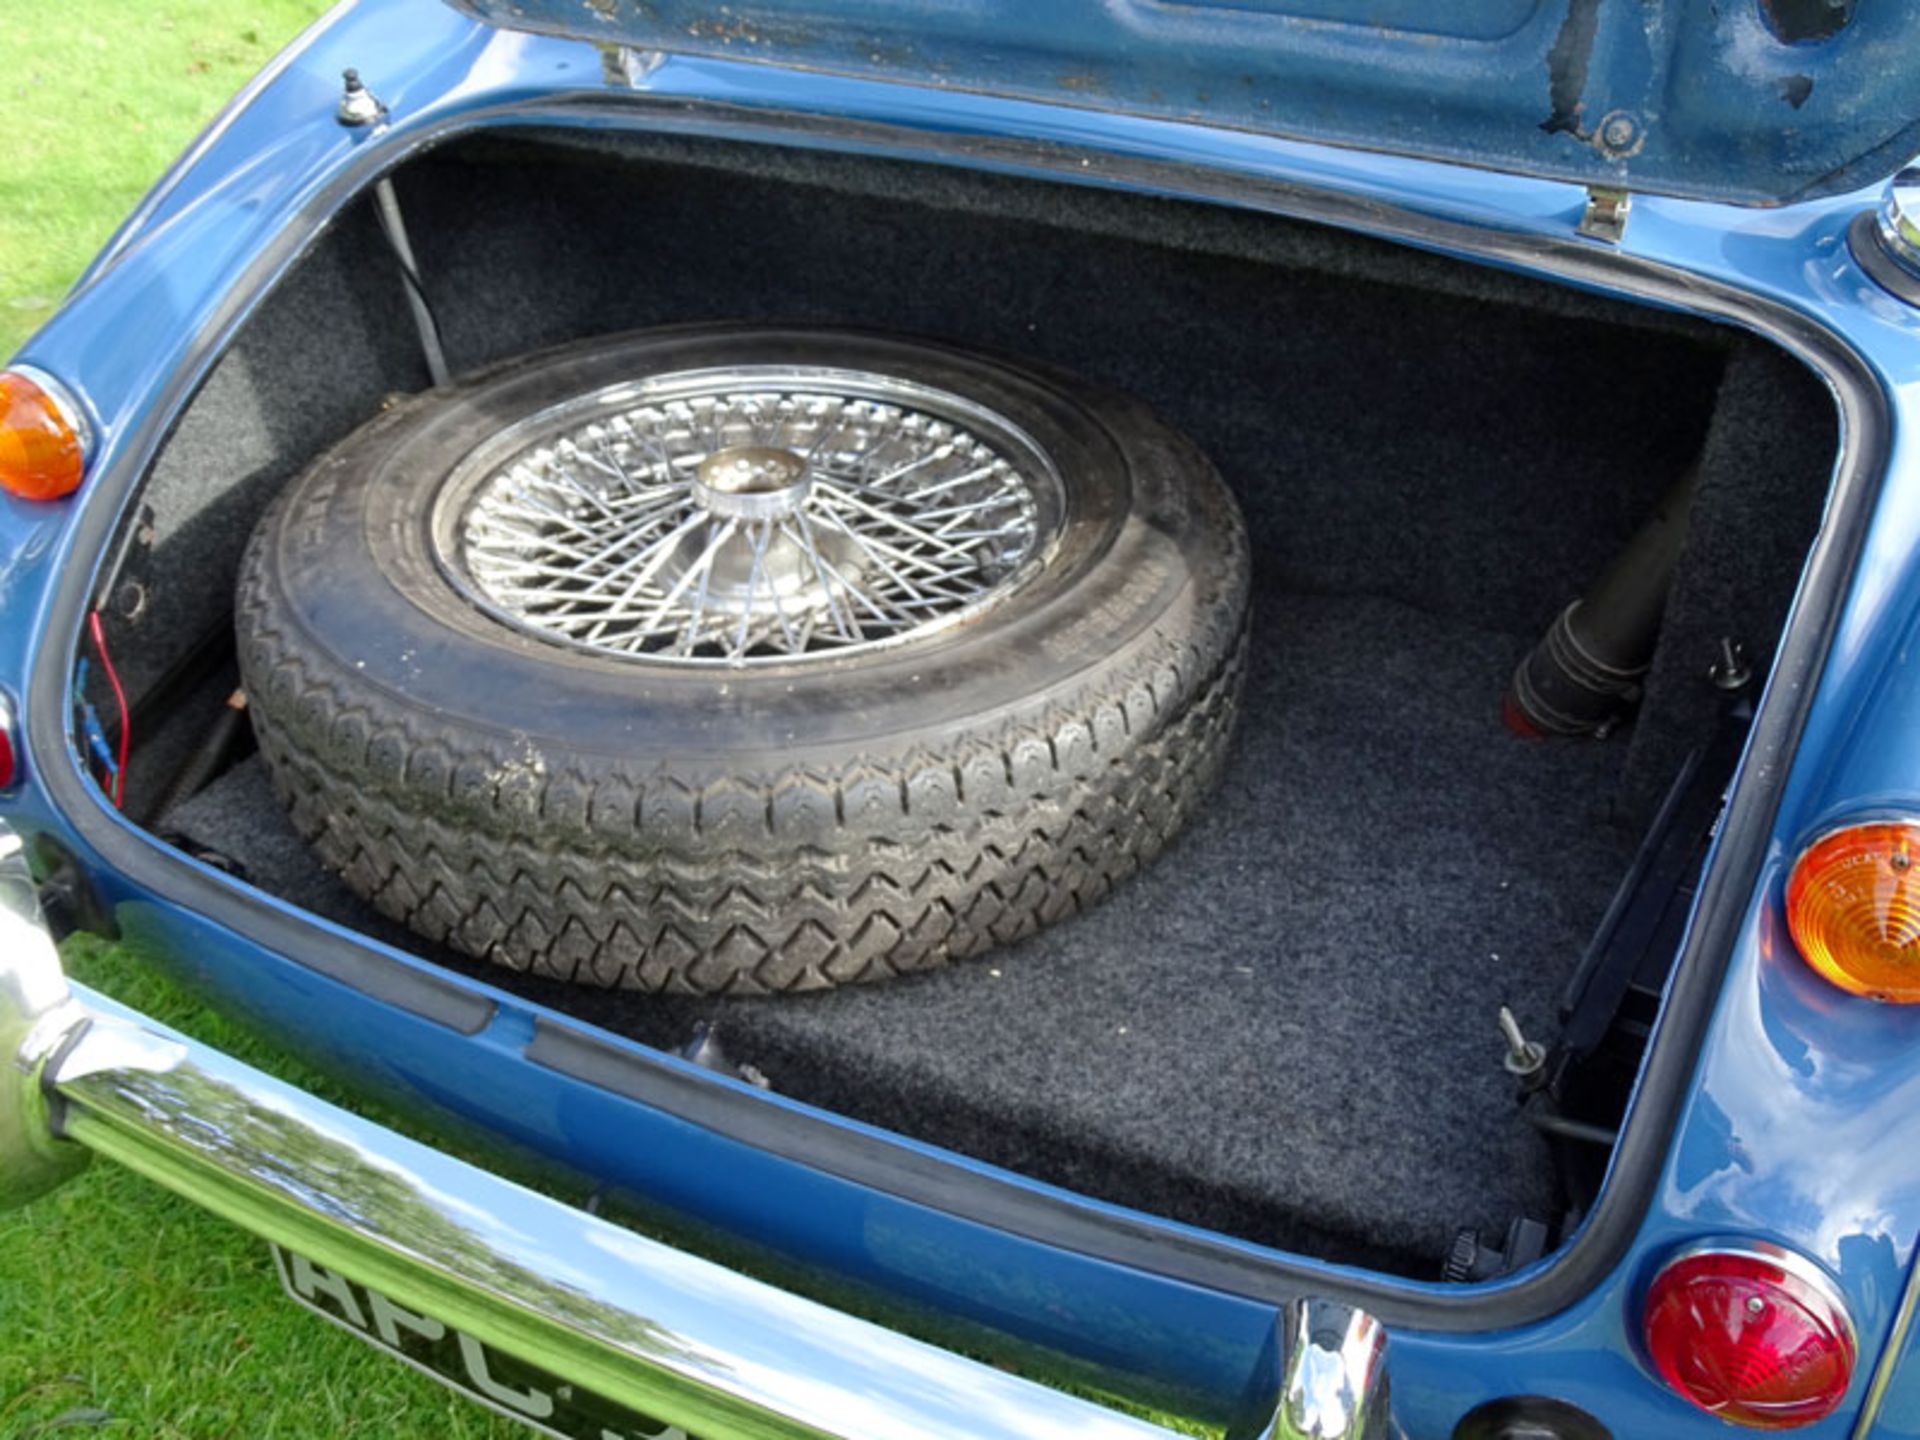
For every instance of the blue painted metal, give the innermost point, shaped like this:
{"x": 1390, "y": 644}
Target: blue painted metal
{"x": 1898, "y": 1379}
{"x": 1752, "y": 100}
{"x": 1801, "y": 1125}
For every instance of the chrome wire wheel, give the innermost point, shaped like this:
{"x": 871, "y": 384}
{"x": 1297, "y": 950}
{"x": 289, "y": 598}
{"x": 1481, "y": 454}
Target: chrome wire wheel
{"x": 971, "y": 635}
{"x": 753, "y": 515}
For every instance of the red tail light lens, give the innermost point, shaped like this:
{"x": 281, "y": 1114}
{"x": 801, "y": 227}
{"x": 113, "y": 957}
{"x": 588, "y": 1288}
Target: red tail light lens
{"x": 43, "y": 439}
{"x": 1755, "y": 1335}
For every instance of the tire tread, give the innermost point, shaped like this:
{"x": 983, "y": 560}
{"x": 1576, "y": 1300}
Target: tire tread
{"x": 631, "y": 871}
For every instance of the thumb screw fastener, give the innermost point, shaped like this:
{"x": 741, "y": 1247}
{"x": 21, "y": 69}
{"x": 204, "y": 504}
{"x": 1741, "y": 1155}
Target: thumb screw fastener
{"x": 1524, "y": 1058}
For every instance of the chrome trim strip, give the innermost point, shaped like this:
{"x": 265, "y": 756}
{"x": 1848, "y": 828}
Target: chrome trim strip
{"x": 10, "y": 737}
{"x": 66, "y": 402}
{"x": 675, "y": 1337}
{"x": 1892, "y": 1353}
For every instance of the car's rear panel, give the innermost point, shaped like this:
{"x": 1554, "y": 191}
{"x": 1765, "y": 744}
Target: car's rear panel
{"x": 937, "y": 1218}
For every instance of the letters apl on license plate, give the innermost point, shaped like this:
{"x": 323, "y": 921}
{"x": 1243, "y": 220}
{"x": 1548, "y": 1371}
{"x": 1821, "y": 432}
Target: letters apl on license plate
{"x": 523, "y": 1392}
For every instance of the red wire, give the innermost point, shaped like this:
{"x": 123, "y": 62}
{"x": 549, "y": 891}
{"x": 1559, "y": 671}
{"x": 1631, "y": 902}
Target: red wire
{"x": 119, "y": 699}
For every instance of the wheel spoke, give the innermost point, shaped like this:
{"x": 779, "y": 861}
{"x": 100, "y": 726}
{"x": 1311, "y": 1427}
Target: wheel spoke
{"x": 745, "y": 518}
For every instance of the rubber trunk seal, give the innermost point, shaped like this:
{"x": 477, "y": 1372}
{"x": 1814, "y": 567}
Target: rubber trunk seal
{"x": 821, "y": 1143}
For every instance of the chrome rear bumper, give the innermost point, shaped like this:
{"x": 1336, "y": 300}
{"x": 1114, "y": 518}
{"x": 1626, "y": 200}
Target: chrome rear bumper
{"x": 640, "y": 1323}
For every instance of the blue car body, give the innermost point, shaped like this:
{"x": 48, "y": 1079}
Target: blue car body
{"x": 1772, "y": 1106}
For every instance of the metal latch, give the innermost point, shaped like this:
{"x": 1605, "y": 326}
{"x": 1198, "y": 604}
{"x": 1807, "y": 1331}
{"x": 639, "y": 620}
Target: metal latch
{"x": 1605, "y": 217}
{"x": 626, "y": 67}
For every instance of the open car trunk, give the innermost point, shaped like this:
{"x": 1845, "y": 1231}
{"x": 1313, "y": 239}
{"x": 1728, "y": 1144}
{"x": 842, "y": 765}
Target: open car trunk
{"x": 1285, "y": 1029}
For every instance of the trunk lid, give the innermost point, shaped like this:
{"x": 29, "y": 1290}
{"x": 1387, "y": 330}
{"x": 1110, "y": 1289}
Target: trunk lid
{"x": 1754, "y": 101}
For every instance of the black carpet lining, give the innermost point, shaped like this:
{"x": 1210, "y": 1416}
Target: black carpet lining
{"x": 1285, "y": 1028}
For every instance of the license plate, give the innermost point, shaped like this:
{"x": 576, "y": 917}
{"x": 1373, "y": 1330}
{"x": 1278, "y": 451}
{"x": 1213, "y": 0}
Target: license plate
{"x": 500, "y": 1382}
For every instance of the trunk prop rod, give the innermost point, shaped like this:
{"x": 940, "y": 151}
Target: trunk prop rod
{"x": 360, "y": 107}
{"x": 395, "y": 226}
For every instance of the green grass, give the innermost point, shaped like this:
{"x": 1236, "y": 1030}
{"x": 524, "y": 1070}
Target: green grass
{"x": 96, "y": 98}
{"x": 124, "y": 1312}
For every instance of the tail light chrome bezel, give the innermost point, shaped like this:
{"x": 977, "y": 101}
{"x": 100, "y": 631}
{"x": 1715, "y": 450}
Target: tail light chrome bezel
{"x": 13, "y": 753}
{"x": 64, "y": 400}
{"x": 1806, "y": 1284}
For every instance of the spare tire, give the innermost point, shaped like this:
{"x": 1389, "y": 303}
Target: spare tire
{"x": 729, "y": 659}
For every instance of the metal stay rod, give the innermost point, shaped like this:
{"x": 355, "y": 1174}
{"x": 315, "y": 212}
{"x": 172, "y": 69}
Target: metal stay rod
{"x": 395, "y": 226}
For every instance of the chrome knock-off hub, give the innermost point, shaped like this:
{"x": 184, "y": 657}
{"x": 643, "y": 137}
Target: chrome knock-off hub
{"x": 751, "y": 482}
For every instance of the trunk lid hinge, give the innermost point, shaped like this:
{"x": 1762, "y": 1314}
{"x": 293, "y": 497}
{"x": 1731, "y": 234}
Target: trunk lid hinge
{"x": 628, "y": 66}
{"x": 1605, "y": 216}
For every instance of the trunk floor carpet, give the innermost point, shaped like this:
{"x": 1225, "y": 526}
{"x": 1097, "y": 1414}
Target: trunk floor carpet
{"x": 1284, "y": 1029}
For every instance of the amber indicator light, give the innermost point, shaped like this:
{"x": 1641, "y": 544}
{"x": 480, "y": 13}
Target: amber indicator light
{"x": 1853, "y": 907}
{"x": 43, "y": 449}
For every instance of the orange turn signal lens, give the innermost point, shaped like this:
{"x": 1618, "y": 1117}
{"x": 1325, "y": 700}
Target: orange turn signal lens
{"x": 1853, "y": 905}
{"x": 43, "y": 441}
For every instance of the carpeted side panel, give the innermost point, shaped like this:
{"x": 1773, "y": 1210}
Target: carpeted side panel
{"x": 1764, "y": 473}
{"x": 314, "y": 364}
